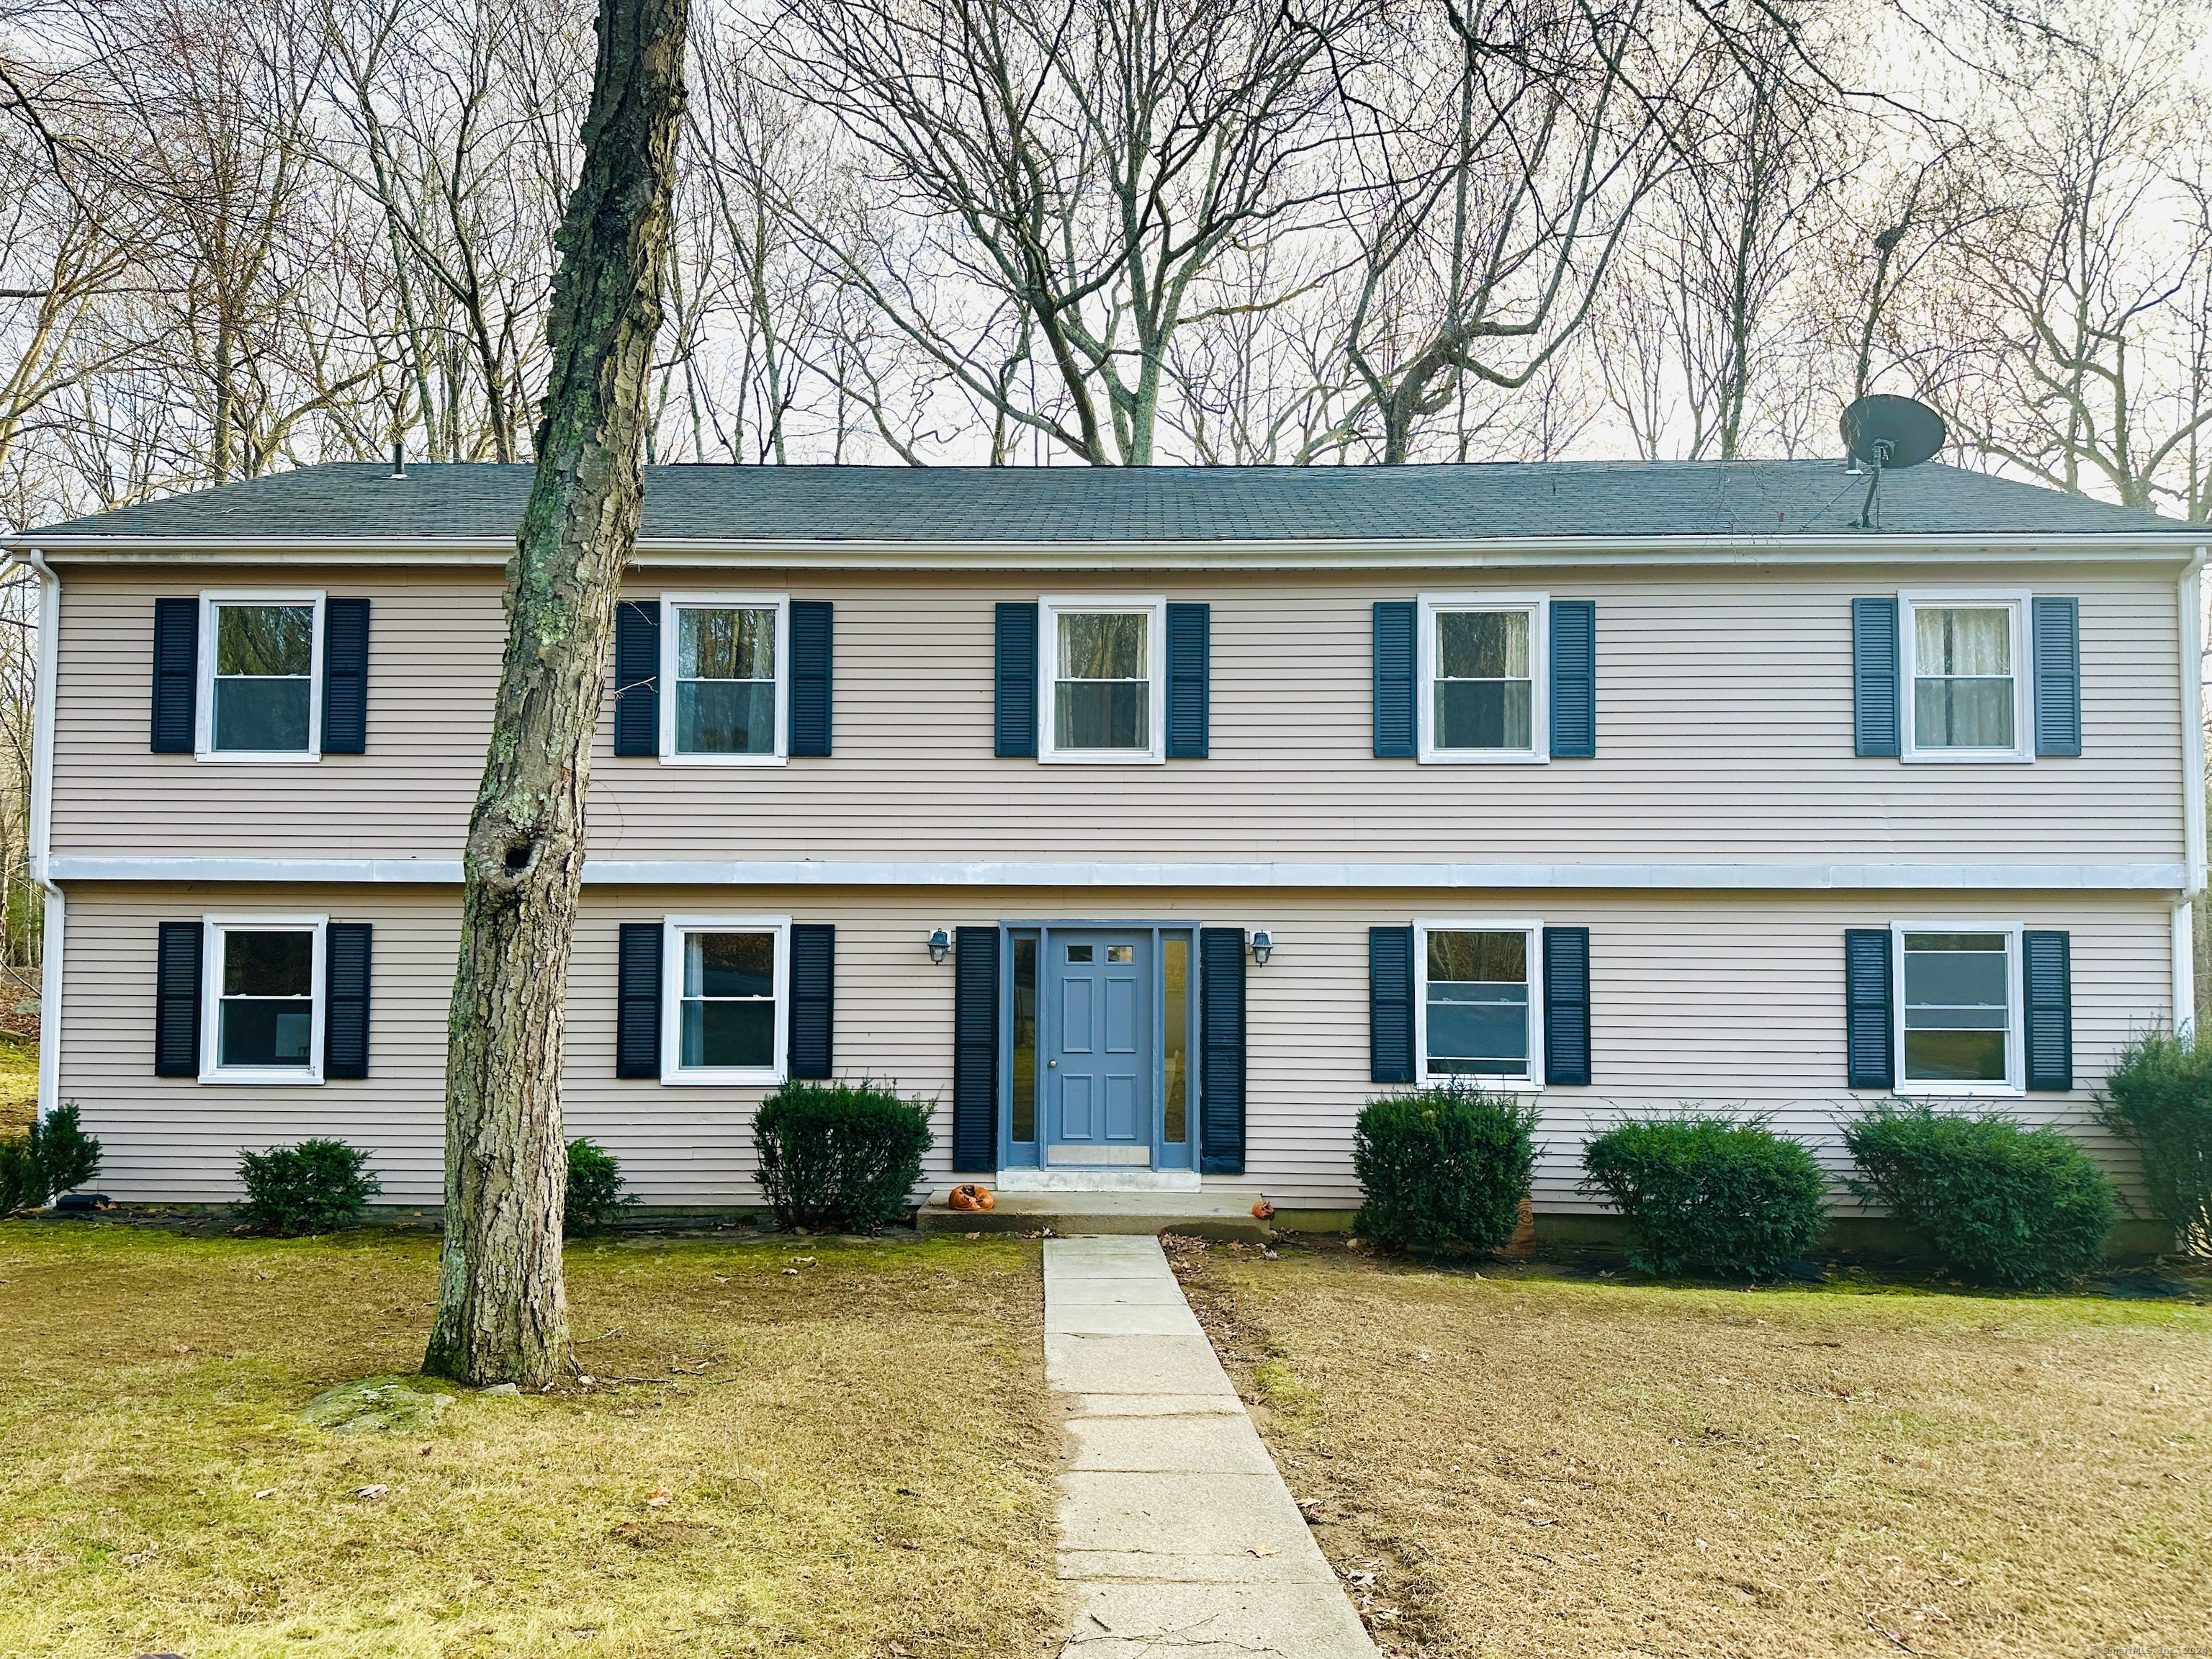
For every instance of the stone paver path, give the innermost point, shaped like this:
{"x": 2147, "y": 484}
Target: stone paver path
{"x": 1176, "y": 1532}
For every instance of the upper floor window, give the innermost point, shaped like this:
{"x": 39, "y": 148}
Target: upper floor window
{"x": 723, "y": 659}
{"x": 262, "y": 1015}
{"x": 1957, "y": 1026}
{"x": 1476, "y": 1007}
{"x": 724, "y": 992}
{"x": 261, "y": 693}
{"x": 1969, "y": 698}
{"x": 1102, "y": 673}
{"x": 1482, "y": 678}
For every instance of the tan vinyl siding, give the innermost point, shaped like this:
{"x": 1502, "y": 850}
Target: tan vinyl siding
{"x": 1731, "y": 1000}
{"x": 1724, "y": 732}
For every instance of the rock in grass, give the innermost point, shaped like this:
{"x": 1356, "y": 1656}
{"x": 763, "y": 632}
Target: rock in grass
{"x": 375, "y": 1404}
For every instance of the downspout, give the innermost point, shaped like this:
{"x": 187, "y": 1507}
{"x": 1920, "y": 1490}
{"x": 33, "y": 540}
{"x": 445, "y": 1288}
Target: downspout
{"x": 53, "y": 924}
{"x": 2189, "y": 600}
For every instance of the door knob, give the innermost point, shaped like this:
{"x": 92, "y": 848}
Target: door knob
{"x": 1049, "y": 1064}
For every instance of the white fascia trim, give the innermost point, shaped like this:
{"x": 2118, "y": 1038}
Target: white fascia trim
{"x": 873, "y": 873}
{"x": 1362, "y": 554}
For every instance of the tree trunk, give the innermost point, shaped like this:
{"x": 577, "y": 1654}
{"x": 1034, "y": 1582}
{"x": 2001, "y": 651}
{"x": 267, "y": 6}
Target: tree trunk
{"x": 502, "y": 1308}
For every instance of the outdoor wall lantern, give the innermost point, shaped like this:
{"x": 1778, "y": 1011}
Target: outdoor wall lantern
{"x": 1263, "y": 946}
{"x": 940, "y": 945}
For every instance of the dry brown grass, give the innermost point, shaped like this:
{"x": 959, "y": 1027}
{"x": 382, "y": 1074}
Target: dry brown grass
{"x": 856, "y": 1460}
{"x": 18, "y": 1084}
{"x": 1532, "y": 1464}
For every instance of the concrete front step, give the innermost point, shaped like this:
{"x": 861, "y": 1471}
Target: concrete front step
{"x": 1201, "y": 1215}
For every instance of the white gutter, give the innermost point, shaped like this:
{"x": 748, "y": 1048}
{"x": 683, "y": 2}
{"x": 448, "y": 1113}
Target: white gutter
{"x": 1321, "y": 554}
{"x": 54, "y": 924}
{"x": 2189, "y": 598}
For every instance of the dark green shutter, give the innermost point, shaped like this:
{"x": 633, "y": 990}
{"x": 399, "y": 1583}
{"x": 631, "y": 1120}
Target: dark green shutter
{"x": 1189, "y": 651}
{"x": 813, "y": 630}
{"x": 1574, "y": 679}
{"x": 345, "y": 679}
{"x": 346, "y": 951}
{"x": 176, "y": 677}
{"x": 1875, "y": 690}
{"x": 1390, "y": 1004}
{"x": 975, "y": 1049}
{"x": 637, "y": 1000}
{"x": 2057, "y": 677}
{"x": 1566, "y": 1005}
{"x": 1395, "y": 734}
{"x": 2047, "y": 966}
{"x": 1221, "y": 1040}
{"x": 1015, "y": 695}
{"x": 637, "y": 680}
{"x": 176, "y": 999}
{"x": 1869, "y": 1044}
{"x": 813, "y": 991}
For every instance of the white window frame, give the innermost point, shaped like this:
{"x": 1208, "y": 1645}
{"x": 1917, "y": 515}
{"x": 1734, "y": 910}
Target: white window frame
{"x": 1538, "y": 608}
{"x": 203, "y": 747}
{"x": 674, "y": 929}
{"x": 671, "y": 631}
{"x": 1910, "y": 600}
{"x": 1532, "y": 1083}
{"x": 212, "y": 930}
{"x": 1049, "y": 611}
{"x": 2015, "y": 1081}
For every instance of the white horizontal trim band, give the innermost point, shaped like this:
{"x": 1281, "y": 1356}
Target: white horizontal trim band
{"x": 1322, "y": 554}
{"x": 871, "y": 872}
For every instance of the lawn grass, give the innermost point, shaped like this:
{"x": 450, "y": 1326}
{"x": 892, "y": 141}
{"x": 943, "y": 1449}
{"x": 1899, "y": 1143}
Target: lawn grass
{"x": 18, "y": 1084}
{"x": 854, "y": 1460}
{"x": 1528, "y": 1463}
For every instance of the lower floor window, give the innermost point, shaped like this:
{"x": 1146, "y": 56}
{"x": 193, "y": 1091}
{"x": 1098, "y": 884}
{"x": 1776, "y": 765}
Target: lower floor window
{"x": 1957, "y": 1007}
{"x": 1475, "y": 1003}
{"x": 266, "y": 988}
{"x": 728, "y": 989}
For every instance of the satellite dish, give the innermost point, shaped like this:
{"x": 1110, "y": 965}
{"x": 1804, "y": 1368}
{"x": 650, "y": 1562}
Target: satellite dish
{"x": 1889, "y": 431}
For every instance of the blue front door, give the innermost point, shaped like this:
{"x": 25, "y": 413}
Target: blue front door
{"x": 1100, "y": 1060}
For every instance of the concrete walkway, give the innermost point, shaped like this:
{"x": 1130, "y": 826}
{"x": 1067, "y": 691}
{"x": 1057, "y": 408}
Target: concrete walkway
{"x": 1176, "y": 1534}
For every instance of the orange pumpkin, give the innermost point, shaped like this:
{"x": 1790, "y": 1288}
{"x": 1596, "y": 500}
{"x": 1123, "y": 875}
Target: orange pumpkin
{"x": 1263, "y": 1211}
{"x": 968, "y": 1195}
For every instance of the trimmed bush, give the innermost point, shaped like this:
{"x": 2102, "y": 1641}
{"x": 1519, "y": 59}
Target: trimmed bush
{"x": 56, "y": 1156}
{"x": 1999, "y": 1203}
{"x": 2158, "y": 1098}
{"x": 595, "y": 1187}
{"x": 1718, "y": 1195}
{"x": 839, "y": 1157}
{"x": 316, "y": 1187}
{"x": 1444, "y": 1169}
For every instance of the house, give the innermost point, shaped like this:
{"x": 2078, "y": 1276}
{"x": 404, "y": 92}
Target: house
{"x": 1149, "y": 821}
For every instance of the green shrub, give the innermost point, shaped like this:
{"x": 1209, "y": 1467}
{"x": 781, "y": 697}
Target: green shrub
{"x": 839, "y": 1157}
{"x": 1999, "y": 1203}
{"x": 316, "y": 1187}
{"x": 1705, "y": 1195}
{"x": 56, "y": 1156}
{"x": 2158, "y": 1098}
{"x": 1444, "y": 1169}
{"x": 595, "y": 1187}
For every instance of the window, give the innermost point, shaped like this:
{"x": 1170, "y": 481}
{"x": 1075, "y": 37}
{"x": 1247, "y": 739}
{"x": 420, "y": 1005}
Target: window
{"x": 724, "y": 987}
{"x": 260, "y": 695}
{"x": 1956, "y": 1029}
{"x": 1476, "y": 1010}
{"x": 1963, "y": 660}
{"x": 1101, "y": 674}
{"x": 1175, "y": 1044}
{"x": 1023, "y": 1128}
{"x": 1482, "y": 667}
{"x": 264, "y": 993}
{"x": 723, "y": 659}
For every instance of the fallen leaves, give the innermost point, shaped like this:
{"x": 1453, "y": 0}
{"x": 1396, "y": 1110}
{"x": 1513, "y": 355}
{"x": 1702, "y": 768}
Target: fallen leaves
{"x": 658, "y": 1497}
{"x": 370, "y": 1494}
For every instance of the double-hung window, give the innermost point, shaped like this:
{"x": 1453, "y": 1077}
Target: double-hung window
{"x": 1482, "y": 692}
{"x": 260, "y": 693}
{"x": 1475, "y": 1005}
{"x": 1970, "y": 694}
{"x": 1958, "y": 1021}
{"x": 1101, "y": 671}
{"x": 723, "y": 660}
{"x": 725, "y": 987}
{"x": 263, "y": 1000}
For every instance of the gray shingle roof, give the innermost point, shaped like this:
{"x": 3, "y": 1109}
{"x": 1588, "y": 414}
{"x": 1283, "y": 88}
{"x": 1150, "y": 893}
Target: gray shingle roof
{"x": 1477, "y": 502}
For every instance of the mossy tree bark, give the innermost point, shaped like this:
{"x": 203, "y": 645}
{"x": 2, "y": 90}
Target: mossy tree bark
{"x": 503, "y": 1307}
